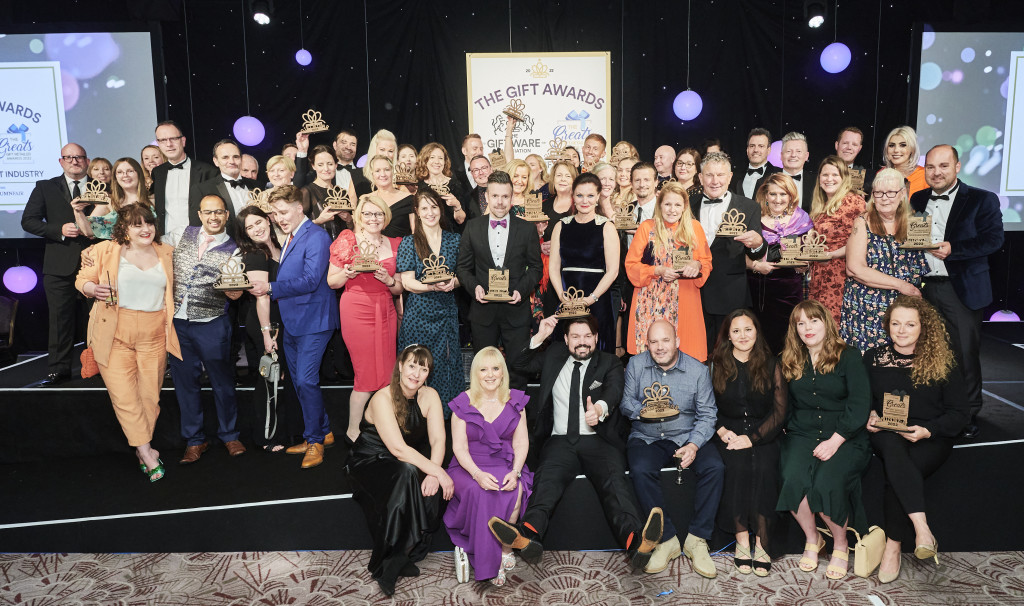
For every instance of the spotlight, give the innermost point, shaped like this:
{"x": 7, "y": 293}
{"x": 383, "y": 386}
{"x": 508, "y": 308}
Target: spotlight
{"x": 814, "y": 12}
{"x": 261, "y": 11}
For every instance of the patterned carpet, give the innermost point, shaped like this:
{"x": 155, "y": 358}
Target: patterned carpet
{"x": 583, "y": 579}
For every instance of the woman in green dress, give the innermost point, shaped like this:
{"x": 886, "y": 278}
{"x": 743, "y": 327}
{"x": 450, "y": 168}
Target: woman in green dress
{"x": 826, "y": 447}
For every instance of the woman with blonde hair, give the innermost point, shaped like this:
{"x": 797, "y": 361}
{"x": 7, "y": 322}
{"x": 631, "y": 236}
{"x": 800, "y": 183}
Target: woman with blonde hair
{"x": 490, "y": 441}
{"x": 901, "y": 153}
{"x": 663, "y": 289}
{"x": 877, "y": 267}
{"x": 400, "y": 203}
{"x": 383, "y": 143}
{"x": 519, "y": 172}
{"x": 920, "y": 364}
{"x": 825, "y": 450}
{"x": 369, "y": 321}
{"x": 833, "y": 208}
{"x": 538, "y": 175}
{"x": 150, "y": 157}
{"x": 606, "y": 173}
{"x": 100, "y": 170}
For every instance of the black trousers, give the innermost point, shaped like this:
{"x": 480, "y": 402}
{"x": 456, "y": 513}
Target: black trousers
{"x": 605, "y": 467}
{"x": 964, "y": 326}
{"x": 713, "y": 324}
{"x": 906, "y": 465}
{"x": 69, "y": 311}
{"x": 502, "y": 332}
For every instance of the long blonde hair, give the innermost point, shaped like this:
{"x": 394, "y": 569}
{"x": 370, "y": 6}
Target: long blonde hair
{"x": 543, "y": 171}
{"x": 910, "y": 136}
{"x": 684, "y": 233}
{"x": 874, "y": 220}
{"x": 819, "y": 203}
{"x": 487, "y": 355}
{"x": 381, "y": 135}
{"x": 794, "y": 353}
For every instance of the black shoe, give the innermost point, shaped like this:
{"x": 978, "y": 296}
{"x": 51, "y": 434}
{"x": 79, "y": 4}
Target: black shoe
{"x": 510, "y": 535}
{"x": 649, "y": 538}
{"x": 409, "y": 570}
{"x": 970, "y": 432}
{"x": 54, "y": 379}
{"x": 387, "y": 587}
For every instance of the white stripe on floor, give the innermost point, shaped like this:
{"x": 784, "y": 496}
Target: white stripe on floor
{"x": 1002, "y": 399}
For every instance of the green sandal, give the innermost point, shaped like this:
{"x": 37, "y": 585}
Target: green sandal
{"x": 156, "y": 473}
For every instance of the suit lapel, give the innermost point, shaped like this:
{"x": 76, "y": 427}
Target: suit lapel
{"x": 956, "y": 210}
{"x": 291, "y": 245}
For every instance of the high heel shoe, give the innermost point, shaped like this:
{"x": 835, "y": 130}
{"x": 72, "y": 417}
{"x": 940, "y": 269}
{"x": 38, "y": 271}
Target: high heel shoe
{"x": 761, "y": 568}
{"x": 807, "y": 564}
{"x": 508, "y": 561}
{"x": 834, "y": 572}
{"x": 157, "y": 472}
{"x": 742, "y": 559}
{"x": 923, "y": 552}
{"x": 885, "y": 577}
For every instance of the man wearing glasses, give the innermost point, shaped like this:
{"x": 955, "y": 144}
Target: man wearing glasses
{"x": 48, "y": 214}
{"x": 203, "y": 328}
{"x": 173, "y": 179}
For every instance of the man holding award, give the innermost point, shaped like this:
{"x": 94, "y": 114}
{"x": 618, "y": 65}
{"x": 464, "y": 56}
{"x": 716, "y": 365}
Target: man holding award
{"x": 308, "y": 313}
{"x": 669, "y": 398}
{"x": 499, "y": 265}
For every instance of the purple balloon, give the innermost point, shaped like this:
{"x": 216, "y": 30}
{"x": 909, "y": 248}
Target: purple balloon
{"x": 687, "y": 105}
{"x": 303, "y": 57}
{"x": 20, "y": 279}
{"x": 361, "y": 162}
{"x": 69, "y": 87}
{"x": 775, "y": 154}
{"x": 835, "y": 58}
{"x": 249, "y": 131}
{"x": 1004, "y": 315}
{"x": 84, "y": 55}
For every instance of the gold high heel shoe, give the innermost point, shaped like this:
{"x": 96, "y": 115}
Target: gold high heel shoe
{"x": 889, "y": 578}
{"x": 923, "y": 552}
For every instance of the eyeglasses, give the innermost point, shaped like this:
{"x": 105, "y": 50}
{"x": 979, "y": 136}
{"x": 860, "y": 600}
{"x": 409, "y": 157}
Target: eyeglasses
{"x": 74, "y": 158}
{"x": 371, "y": 215}
{"x": 480, "y": 170}
{"x": 219, "y": 212}
{"x": 167, "y": 140}
{"x": 690, "y": 164}
{"x": 886, "y": 194}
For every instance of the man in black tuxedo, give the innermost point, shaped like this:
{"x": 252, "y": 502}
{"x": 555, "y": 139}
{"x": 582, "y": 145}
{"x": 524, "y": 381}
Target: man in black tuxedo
{"x": 472, "y": 146}
{"x": 794, "y": 164}
{"x": 498, "y": 240}
{"x": 578, "y": 427}
{"x": 848, "y": 144}
{"x": 746, "y": 182}
{"x": 476, "y": 199}
{"x": 968, "y": 227}
{"x": 726, "y": 287}
{"x": 346, "y": 176}
{"x": 173, "y": 179}
{"x": 48, "y": 214}
{"x": 664, "y": 163}
{"x": 229, "y": 185}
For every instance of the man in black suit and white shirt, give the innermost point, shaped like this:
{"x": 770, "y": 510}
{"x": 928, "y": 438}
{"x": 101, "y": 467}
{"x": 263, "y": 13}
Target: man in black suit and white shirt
{"x": 48, "y": 214}
{"x": 726, "y": 287}
{"x": 472, "y": 146}
{"x": 578, "y": 427}
{"x": 745, "y": 183}
{"x": 173, "y": 179}
{"x": 498, "y": 240}
{"x": 229, "y": 185}
{"x": 794, "y": 164}
{"x": 346, "y": 174}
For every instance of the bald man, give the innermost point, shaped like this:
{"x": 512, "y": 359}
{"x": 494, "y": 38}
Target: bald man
{"x": 684, "y": 440}
{"x": 664, "y": 161}
{"x": 250, "y": 167}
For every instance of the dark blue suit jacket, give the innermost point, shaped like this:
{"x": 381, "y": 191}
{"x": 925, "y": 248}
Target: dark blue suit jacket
{"x": 307, "y": 303}
{"x": 974, "y": 231}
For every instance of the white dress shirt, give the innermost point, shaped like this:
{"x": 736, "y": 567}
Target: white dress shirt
{"x": 239, "y": 195}
{"x": 711, "y": 215}
{"x": 469, "y": 174}
{"x": 939, "y": 210}
{"x": 560, "y": 397}
{"x": 497, "y": 239}
{"x": 750, "y": 180}
{"x": 176, "y": 196}
{"x": 644, "y": 211}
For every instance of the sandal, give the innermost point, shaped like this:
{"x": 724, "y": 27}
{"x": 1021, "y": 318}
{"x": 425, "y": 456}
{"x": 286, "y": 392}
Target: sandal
{"x": 744, "y": 561}
{"x": 508, "y": 561}
{"x": 499, "y": 581}
{"x": 273, "y": 448}
{"x": 834, "y": 572}
{"x": 761, "y": 566}
{"x": 157, "y": 472}
{"x": 810, "y": 565}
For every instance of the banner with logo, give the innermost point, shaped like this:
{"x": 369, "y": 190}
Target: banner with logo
{"x": 32, "y": 128}
{"x": 564, "y": 96}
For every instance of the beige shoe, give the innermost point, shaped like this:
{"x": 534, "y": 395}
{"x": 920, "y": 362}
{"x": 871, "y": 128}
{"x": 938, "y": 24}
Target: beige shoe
{"x": 663, "y": 554}
{"x": 696, "y": 549}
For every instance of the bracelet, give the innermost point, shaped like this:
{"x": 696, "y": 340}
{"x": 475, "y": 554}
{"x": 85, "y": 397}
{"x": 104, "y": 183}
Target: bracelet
{"x": 265, "y": 328}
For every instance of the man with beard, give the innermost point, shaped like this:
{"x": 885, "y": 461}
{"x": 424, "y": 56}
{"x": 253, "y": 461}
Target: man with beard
{"x": 684, "y": 439}
{"x": 578, "y": 429}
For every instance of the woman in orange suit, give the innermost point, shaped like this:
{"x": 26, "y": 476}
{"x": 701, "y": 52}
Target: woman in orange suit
{"x": 663, "y": 290}
{"x": 131, "y": 327}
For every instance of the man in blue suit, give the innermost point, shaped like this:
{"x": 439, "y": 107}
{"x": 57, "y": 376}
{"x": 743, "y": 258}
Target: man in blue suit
{"x": 309, "y": 312}
{"x": 968, "y": 227}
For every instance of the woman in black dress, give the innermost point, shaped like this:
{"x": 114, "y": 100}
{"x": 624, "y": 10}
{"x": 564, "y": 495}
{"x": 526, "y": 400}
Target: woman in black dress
{"x": 314, "y": 195}
{"x": 434, "y": 170}
{"x": 920, "y": 364}
{"x": 274, "y": 425}
{"x": 396, "y": 468}
{"x": 751, "y": 396}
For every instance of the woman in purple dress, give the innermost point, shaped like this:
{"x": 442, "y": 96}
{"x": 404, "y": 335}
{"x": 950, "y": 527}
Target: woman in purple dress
{"x": 490, "y": 442}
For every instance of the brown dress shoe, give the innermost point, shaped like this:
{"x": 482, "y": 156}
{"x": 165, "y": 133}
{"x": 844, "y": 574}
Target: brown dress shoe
{"x": 299, "y": 448}
{"x": 192, "y": 453}
{"x": 235, "y": 448}
{"x": 329, "y": 439}
{"x": 314, "y": 456}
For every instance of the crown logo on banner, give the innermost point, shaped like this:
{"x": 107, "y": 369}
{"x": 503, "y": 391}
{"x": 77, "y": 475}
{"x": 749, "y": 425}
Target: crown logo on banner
{"x": 557, "y": 150}
{"x": 516, "y": 109}
{"x": 573, "y": 306}
{"x": 337, "y": 199}
{"x": 312, "y": 123}
{"x": 95, "y": 192}
{"x": 657, "y": 404}
{"x": 232, "y": 276}
{"x": 259, "y": 199}
{"x": 404, "y": 175}
{"x": 539, "y": 70}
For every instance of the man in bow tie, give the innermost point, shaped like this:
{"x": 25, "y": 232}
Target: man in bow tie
{"x": 345, "y": 176}
{"x": 500, "y": 241}
{"x": 968, "y": 227}
{"x": 174, "y": 179}
{"x": 794, "y": 159}
{"x": 229, "y": 185}
{"x": 746, "y": 182}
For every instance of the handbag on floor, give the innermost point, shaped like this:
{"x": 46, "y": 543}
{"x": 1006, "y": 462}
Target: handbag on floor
{"x": 89, "y": 366}
{"x": 867, "y": 552}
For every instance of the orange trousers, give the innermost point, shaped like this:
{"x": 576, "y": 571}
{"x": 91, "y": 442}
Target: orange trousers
{"x": 134, "y": 373}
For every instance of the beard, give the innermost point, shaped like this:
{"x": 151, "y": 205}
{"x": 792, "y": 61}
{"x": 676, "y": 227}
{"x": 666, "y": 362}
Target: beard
{"x": 581, "y": 357}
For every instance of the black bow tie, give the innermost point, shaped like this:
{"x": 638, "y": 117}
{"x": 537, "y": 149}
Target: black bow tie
{"x": 349, "y": 167}
{"x": 759, "y": 171}
{"x": 796, "y": 177}
{"x": 174, "y": 166}
{"x": 942, "y": 197}
{"x": 712, "y": 200}
{"x": 235, "y": 183}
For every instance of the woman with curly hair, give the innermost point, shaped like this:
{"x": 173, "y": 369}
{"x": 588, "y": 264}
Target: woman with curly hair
{"x": 920, "y": 364}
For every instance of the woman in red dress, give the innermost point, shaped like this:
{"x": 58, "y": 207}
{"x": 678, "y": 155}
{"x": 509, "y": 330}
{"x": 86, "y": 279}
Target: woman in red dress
{"x": 369, "y": 323}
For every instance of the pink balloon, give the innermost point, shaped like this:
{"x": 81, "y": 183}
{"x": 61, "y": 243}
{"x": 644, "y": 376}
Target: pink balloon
{"x": 69, "y": 86}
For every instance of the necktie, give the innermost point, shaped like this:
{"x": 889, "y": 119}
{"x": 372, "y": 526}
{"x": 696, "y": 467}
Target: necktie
{"x": 639, "y": 214}
{"x": 501, "y": 223}
{"x": 286, "y": 243}
{"x": 572, "y": 430}
{"x": 76, "y": 192}
{"x": 712, "y": 200}
{"x": 796, "y": 177}
{"x": 234, "y": 183}
{"x": 942, "y": 197}
{"x": 207, "y": 238}
{"x": 751, "y": 171}
{"x": 174, "y": 166}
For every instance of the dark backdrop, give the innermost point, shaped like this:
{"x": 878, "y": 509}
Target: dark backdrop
{"x": 400, "y": 65}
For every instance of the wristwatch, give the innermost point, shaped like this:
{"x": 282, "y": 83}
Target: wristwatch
{"x": 270, "y": 289}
